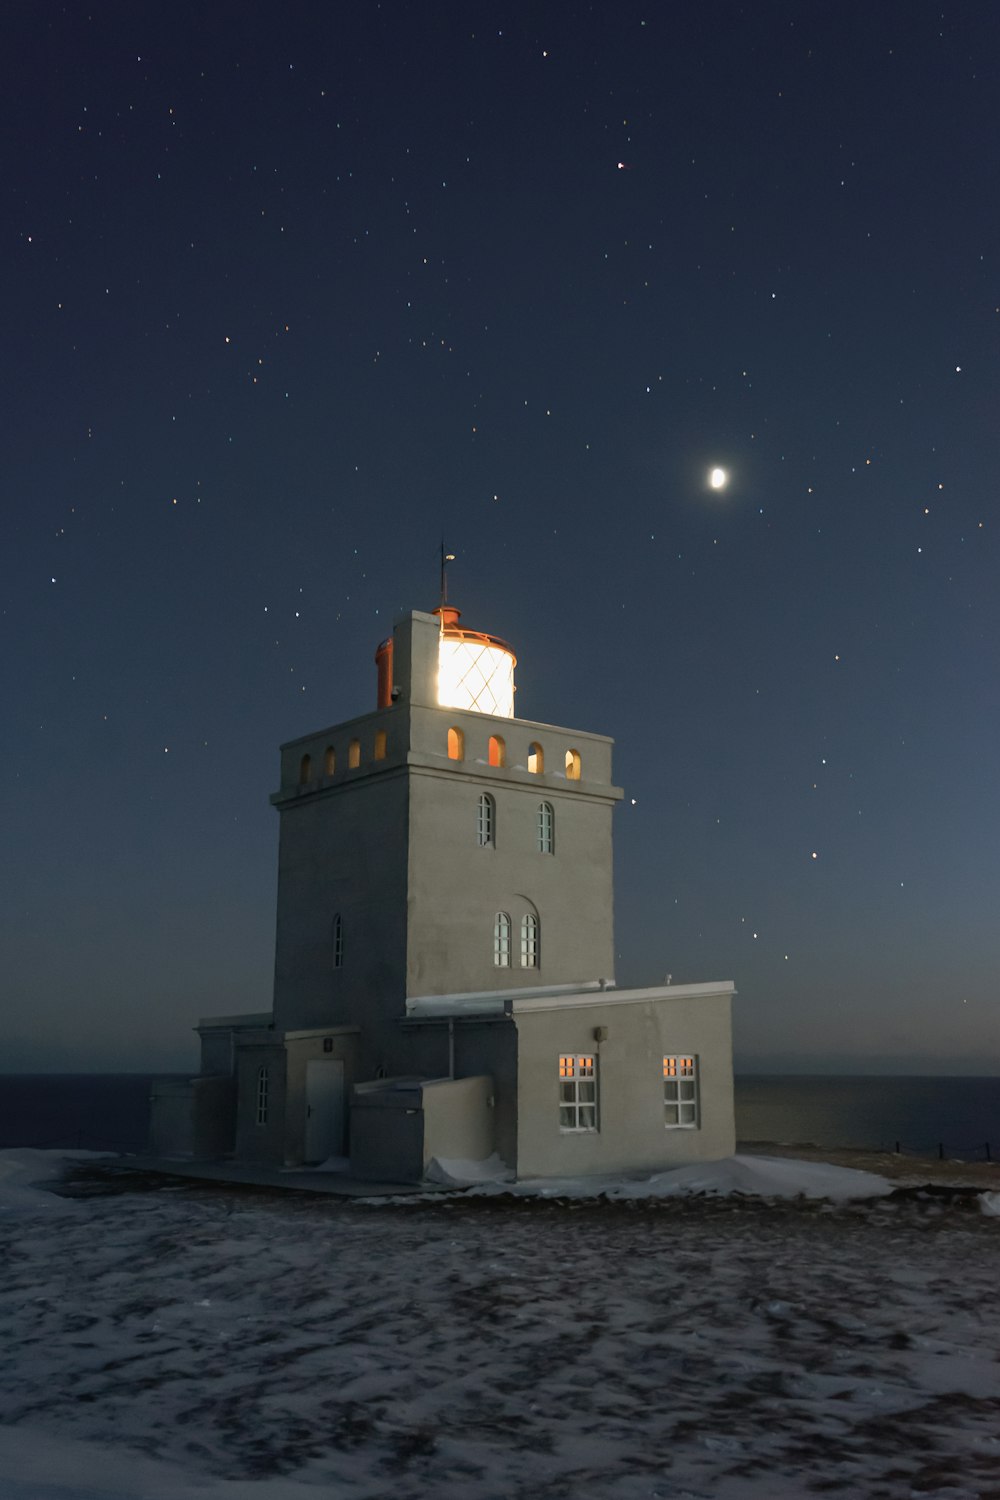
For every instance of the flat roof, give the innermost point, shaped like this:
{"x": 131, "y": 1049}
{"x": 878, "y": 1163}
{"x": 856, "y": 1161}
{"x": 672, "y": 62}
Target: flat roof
{"x": 555, "y": 997}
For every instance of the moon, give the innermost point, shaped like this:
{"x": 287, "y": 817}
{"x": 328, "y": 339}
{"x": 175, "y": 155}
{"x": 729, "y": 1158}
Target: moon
{"x": 718, "y": 479}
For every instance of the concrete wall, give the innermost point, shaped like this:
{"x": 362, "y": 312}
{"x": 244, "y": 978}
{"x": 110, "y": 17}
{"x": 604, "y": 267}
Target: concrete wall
{"x": 387, "y": 1131}
{"x": 342, "y": 849}
{"x": 171, "y": 1117}
{"x": 631, "y": 1134}
{"x": 263, "y": 1143}
{"x": 456, "y": 887}
{"x": 458, "y": 1119}
{"x": 214, "y": 1111}
{"x": 491, "y": 1048}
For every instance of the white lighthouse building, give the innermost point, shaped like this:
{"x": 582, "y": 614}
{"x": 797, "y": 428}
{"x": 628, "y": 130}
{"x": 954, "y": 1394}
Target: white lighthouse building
{"x": 444, "y": 961}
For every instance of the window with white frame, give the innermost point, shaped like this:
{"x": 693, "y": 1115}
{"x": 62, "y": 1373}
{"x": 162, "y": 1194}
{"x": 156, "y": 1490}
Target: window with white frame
{"x": 486, "y": 820}
{"x": 577, "y": 1092}
{"x": 263, "y": 1089}
{"x": 546, "y": 828}
{"x": 338, "y": 941}
{"x": 680, "y": 1093}
{"x": 501, "y": 940}
{"x": 529, "y": 941}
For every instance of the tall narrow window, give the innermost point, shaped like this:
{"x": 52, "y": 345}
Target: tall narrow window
{"x": 680, "y": 1093}
{"x": 577, "y": 1092}
{"x": 354, "y": 755}
{"x": 497, "y": 751}
{"x": 572, "y": 765}
{"x": 546, "y": 828}
{"x": 263, "y": 1090}
{"x": 338, "y": 941}
{"x": 486, "y": 819}
{"x": 380, "y": 743}
{"x": 536, "y": 758}
{"x": 501, "y": 940}
{"x": 529, "y": 941}
{"x": 456, "y": 744}
{"x": 330, "y": 762}
{"x": 305, "y": 768}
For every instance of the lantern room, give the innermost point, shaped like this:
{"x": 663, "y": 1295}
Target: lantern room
{"x": 475, "y": 671}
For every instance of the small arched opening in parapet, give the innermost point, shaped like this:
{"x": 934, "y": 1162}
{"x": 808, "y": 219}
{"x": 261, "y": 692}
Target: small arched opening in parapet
{"x": 456, "y": 744}
{"x": 536, "y": 758}
{"x": 497, "y": 751}
{"x": 305, "y": 768}
{"x": 354, "y": 755}
{"x": 572, "y": 765}
{"x": 330, "y": 761}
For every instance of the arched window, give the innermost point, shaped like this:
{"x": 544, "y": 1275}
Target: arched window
{"x": 498, "y": 751}
{"x": 546, "y": 828}
{"x": 305, "y": 768}
{"x": 486, "y": 819}
{"x": 354, "y": 755}
{"x": 263, "y": 1089}
{"x": 380, "y": 743}
{"x": 529, "y": 941}
{"x": 572, "y": 765}
{"x": 330, "y": 763}
{"x": 456, "y": 744}
{"x": 338, "y": 941}
{"x": 536, "y": 758}
{"x": 501, "y": 940}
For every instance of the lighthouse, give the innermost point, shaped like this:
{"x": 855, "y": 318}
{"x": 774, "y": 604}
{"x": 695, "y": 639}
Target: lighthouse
{"x": 444, "y": 980}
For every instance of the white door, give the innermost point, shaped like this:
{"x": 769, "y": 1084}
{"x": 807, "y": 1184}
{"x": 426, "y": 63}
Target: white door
{"x": 324, "y": 1108}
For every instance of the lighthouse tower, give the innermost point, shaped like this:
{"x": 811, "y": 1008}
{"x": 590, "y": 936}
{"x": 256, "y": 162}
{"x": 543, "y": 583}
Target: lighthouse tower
{"x": 438, "y": 845}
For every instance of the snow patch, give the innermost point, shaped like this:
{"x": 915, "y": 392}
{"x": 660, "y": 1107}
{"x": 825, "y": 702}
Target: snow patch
{"x": 453, "y": 1172}
{"x": 754, "y": 1176}
{"x": 24, "y": 1172}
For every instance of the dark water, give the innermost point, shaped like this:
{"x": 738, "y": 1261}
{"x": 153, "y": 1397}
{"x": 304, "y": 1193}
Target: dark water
{"x": 108, "y": 1112}
{"x": 92, "y": 1111}
{"x": 921, "y": 1114}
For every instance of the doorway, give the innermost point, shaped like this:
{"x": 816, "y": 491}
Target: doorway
{"x": 324, "y": 1108}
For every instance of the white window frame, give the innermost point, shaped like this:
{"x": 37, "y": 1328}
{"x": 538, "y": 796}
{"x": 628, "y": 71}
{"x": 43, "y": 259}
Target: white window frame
{"x": 546, "y": 828}
{"x": 529, "y": 941}
{"x": 681, "y": 1093}
{"x": 338, "y": 941}
{"x": 486, "y": 821}
{"x": 263, "y": 1093}
{"x": 578, "y": 1102}
{"x": 501, "y": 940}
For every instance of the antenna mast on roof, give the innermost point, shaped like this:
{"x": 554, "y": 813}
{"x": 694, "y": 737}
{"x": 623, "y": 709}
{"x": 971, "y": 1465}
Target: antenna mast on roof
{"x": 446, "y": 558}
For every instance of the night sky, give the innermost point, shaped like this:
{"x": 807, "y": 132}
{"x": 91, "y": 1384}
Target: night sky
{"x": 292, "y": 291}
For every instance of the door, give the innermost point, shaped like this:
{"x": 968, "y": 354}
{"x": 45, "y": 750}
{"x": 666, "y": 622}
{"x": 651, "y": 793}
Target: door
{"x": 324, "y": 1108}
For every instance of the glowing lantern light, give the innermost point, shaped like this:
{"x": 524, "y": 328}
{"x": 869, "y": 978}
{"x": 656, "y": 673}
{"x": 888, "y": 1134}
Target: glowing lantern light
{"x": 475, "y": 671}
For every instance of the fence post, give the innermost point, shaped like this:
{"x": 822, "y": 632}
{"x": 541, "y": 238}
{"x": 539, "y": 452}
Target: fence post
{"x": 940, "y": 1151}
{"x": 897, "y": 1148}
{"x": 988, "y": 1156}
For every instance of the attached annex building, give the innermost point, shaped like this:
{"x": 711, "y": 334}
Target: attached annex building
{"x": 445, "y": 953}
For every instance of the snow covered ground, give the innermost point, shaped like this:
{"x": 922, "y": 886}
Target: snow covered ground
{"x": 203, "y": 1343}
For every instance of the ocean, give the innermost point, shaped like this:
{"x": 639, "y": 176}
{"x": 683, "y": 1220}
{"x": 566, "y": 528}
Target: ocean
{"x": 959, "y": 1117}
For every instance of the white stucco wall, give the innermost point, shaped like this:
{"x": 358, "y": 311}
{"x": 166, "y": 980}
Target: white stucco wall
{"x": 631, "y": 1134}
{"x": 458, "y": 1119}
